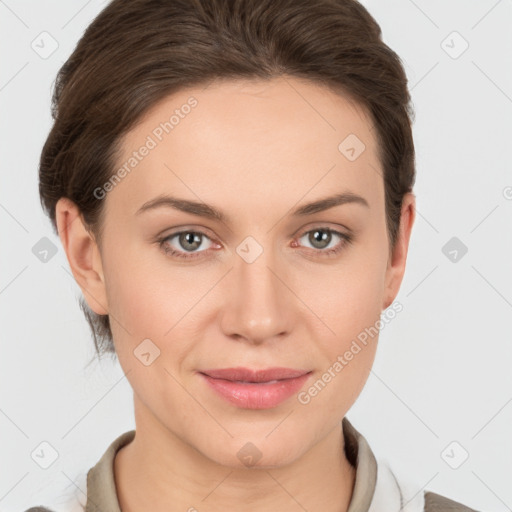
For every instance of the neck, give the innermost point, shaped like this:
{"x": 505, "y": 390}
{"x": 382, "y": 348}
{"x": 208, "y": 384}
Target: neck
{"x": 159, "y": 471}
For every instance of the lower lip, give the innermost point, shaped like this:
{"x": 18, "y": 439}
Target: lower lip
{"x": 256, "y": 395}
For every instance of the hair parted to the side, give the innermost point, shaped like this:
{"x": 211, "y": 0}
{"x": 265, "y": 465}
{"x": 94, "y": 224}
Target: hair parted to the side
{"x": 137, "y": 52}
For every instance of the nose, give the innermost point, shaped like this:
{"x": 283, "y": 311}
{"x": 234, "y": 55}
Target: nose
{"x": 260, "y": 305}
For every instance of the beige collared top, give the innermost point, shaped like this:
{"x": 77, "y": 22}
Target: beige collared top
{"x": 376, "y": 488}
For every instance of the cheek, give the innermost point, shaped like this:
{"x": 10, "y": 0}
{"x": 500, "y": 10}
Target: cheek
{"x": 351, "y": 308}
{"x": 346, "y": 355}
{"x": 141, "y": 289}
{"x": 353, "y": 298}
{"x": 136, "y": 303}
{"x": 150, "y": 298}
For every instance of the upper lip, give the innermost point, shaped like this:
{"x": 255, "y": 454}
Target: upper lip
{"x": 248, "y": 375}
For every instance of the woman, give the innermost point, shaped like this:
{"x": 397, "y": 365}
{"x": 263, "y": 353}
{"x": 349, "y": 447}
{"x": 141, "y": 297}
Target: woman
{"x": 232, "y": 184}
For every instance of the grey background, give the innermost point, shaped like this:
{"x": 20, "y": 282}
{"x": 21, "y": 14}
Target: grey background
{"x": 442, "y": 370}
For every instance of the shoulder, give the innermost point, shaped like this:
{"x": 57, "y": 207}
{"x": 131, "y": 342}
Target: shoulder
{"x": 38, "y": 509}
{"x": 437, "y": 503}
{"x": 395, "y": 490}
{"x": 67, "y": 500}
{"x": 98, "y": 480}
{"x": 404, "y": 491}
{"x": 433, "y": 503}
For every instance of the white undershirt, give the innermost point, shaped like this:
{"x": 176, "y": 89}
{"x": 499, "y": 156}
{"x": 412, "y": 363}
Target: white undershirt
{"x": 394, "y": 493}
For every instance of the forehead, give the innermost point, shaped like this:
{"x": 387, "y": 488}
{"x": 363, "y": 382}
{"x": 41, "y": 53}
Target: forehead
{"x": 250, "y": 139}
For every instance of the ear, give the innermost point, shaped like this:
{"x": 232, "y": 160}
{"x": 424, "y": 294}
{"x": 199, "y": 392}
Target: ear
{"x": 83, "y": 255}
{"x": 397, "y": 259}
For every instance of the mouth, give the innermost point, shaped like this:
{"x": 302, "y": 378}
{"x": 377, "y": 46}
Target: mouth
{"x": 255, "y": 389}
{"x": 254, "y": 376}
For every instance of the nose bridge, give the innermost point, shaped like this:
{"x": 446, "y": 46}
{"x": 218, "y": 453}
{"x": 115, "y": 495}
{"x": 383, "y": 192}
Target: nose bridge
{"x": 258, "y": 306}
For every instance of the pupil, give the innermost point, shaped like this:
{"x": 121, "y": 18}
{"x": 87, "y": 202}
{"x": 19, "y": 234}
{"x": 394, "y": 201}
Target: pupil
{"x": 323, "y": 235}
{"x": 191, "y": 238}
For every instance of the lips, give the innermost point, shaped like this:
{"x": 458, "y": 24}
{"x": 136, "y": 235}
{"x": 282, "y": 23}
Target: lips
{"x": 255, "y": 389}
{"x": 248, "y": 375}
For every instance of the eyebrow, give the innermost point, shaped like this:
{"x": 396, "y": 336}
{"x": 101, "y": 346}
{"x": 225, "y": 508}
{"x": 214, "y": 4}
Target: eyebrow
{"x": 210, "y": 212}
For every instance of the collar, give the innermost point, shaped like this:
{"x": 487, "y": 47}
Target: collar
{"x": 375, "y": 488}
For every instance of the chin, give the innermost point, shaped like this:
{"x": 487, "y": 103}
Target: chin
{"x": 246, "y": 454}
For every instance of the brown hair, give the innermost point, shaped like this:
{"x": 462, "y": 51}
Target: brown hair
{"x": 137, "y": 52}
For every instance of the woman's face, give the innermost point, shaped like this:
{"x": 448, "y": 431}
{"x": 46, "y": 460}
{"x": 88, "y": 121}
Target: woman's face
{"x": 264, "y": 287}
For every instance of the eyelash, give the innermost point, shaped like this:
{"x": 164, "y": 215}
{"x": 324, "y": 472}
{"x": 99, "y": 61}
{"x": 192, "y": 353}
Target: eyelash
{"x": 346, "y": 240}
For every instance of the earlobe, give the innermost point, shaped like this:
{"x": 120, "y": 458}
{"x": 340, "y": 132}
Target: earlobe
{"x": 396, "y": 264}
{"x": 83, "y": 255}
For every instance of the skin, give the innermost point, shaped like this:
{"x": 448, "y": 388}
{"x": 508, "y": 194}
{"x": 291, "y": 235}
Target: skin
{"x": 255, "y": 150}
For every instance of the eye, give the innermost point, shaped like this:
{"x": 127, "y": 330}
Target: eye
{"x": 321, "y": 237}
{"x": 188, "y": 240}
